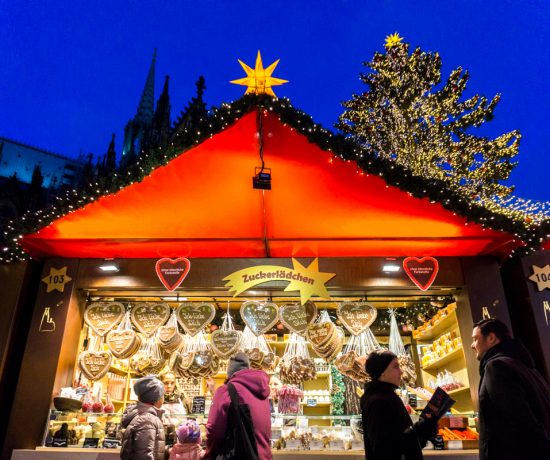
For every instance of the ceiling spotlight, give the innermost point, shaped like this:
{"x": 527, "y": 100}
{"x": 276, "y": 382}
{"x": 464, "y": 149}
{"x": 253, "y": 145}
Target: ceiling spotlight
{"x": 108, "y": 268}
{"x": 390, "y": 268}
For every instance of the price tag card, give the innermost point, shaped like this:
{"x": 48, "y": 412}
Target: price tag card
{"x": 316, "y": 444}
{"x": 357, "y": 445}
{"x": 60, "y": 442}
{"x": 302, "y": 423}
{"x": 293, "y": 444}
{"x": 198, "y": 406}
{"x": 311, "y": 402}
{"x": 111, "y": 443}
{"x": 92, "y": 418}
{"x": 454, "y": 445}
{"x": 337, "y": 444}
{"x": 91, "y": 443}
{"x": 456, "y": 422}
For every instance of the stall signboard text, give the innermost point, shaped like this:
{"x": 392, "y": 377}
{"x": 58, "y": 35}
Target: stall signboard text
{"x": 309, "y": 281}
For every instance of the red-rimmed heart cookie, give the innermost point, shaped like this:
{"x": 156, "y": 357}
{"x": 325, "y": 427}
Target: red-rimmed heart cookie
{"x": 260, "y": 317}
{"x": 193, "y": 317}
{"x": 123, "y": 343}
{"x": 148, "y": 317}
{"x": 225, "y": 343}
{"x": 172, "y": 272}
{"x": 422, "y": 271}
{"x": 94, "y": 364}
{"x": 103, "y": 316}
{"x": 356, "y": 316}
{"x": 297, "y": 317}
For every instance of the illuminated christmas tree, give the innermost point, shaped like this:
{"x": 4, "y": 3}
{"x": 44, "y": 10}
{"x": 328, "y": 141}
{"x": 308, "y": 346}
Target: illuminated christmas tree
{"x": 408, "y": 117}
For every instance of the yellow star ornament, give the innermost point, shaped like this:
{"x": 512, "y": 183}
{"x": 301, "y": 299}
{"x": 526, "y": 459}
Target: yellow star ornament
{"x": 393, "y": 40}
{"x": 317, "y": 279}
{"x": 56, "y": 280}
{"x": 259, "y": 80}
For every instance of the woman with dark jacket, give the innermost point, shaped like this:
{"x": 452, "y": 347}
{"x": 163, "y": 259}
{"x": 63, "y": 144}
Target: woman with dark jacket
{"x": 252, "y": 388}
{"x": 388, "y": 431}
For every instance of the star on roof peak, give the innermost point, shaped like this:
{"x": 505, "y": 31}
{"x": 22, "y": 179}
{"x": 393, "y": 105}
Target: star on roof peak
{"x": 259, "y": 80}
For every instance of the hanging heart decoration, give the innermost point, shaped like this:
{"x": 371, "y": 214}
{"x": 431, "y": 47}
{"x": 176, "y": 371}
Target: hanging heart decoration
{"x": 260, "y": 317}
{"x": 172, "y": 272}
{"x": 321, "y": 333}
{"x": 356, "y": 316}
{"x": 94, "y": 365}
{"x": 103, "y": 316}
{"x": 297, "y": 317}
{"x": 422, "y": 271}
{"x": 193, "y": 317}
{"x": 123, "y": 343}
{"x": 225, "y": 343}
{"x": 169, "y": 338}
{"x": 148, "y": 317}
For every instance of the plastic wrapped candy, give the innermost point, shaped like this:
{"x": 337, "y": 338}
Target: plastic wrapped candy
{"x": 289, "y": 399}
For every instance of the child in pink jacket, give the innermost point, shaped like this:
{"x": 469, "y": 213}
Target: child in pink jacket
{"x": 188, "y": 446}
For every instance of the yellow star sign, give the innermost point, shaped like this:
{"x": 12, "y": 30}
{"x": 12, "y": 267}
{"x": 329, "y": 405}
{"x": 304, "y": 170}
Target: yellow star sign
{"x": 57, "y": 279}
{"x": 541, "y": 276}
{"x": 393, "y": 40}
{"x": 316, "y": 287}
{"x": 259, "y": 80}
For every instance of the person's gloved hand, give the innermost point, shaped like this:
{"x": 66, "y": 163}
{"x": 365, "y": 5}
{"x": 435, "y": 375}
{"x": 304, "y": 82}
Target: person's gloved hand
{"x": 425, "y": 429}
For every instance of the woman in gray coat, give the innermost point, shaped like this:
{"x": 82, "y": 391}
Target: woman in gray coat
{"x": 143, "y": 437}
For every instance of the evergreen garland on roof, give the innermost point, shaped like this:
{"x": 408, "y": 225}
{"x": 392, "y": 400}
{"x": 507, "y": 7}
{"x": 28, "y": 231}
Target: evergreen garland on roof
{"x": 515, "y": 222}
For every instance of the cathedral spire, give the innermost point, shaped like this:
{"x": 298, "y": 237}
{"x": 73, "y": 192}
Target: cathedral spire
{"x": 146, "y": 106}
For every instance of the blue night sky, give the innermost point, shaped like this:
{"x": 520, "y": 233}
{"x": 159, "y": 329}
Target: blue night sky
{"x": 72, "y": 72}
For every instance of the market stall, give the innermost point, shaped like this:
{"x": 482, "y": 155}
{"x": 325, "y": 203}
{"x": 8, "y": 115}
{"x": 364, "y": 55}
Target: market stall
{"x": 308, "y": 277}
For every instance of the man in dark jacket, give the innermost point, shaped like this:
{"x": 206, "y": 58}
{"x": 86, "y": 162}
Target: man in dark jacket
{"x": 514, "y": 400}
{"x": 388, "y": 431}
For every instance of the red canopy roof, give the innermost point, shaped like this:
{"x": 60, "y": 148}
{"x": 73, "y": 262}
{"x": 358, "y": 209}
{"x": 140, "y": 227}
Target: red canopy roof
{"x": 202, "y": 204}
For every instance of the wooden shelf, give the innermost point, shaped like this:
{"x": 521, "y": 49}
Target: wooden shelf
{"x": 440, "y": 362}
{"x": 438, "y": 328}
{"x": 319, "y": 404}
{"x": 458, "y": 390}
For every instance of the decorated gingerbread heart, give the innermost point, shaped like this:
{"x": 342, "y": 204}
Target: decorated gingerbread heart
{"x": 148, "y": 317}
{"x": 260, "y": 317}
{"x": 356, "y": 316}
{"x": 297, "y": 317}
{"x": 93, "y": 364}
{"x": 225, "y": 343}
{"x": 193, "y": 317}
{"x": 103, "y": 316}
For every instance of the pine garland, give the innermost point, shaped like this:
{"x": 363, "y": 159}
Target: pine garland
{"x": 527, "y": 229}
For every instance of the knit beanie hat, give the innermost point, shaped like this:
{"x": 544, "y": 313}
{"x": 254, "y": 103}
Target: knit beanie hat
{"x": 149, "y": 389}
{"x": 377, "y": 362}
{"x": 237, "y": 363}
{"x": 189, "y": 432}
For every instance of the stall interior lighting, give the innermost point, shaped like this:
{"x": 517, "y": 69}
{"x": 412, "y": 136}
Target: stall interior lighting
{"x": 108, "y": 268}
{"x": 389, "y": 268}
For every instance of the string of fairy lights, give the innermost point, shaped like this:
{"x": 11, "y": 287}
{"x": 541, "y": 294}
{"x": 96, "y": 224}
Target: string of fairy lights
{"x": 521, "y": 222}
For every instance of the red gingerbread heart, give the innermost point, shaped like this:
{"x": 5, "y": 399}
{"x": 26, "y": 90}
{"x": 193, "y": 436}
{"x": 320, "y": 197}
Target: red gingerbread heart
{"x": 172, "y": 272}
{"x": 422, "y": 271}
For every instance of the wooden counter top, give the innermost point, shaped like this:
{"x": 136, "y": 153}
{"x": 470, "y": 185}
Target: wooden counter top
{"x": 52, "y": 453}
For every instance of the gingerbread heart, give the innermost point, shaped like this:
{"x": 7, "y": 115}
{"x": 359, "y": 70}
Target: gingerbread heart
{"x": 193, "y": 317}
{"x": 259, "y": 317}
{"x": 94, "y": 364}
{"x": 148, "y": 317}
{"x": 356, "y": 316}
{"x": 319, "y": 334}
{"x": 103, "y": 316}
{"x": 122, "y": 343}
{"x": 422, "y": 272}
{"x": 297, "y": 317}
{"x": 225, "y": 343}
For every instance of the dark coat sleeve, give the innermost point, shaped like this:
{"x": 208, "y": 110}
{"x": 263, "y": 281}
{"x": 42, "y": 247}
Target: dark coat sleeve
{"x": 510, "y": 397}
{"x": 386, "y": 438}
